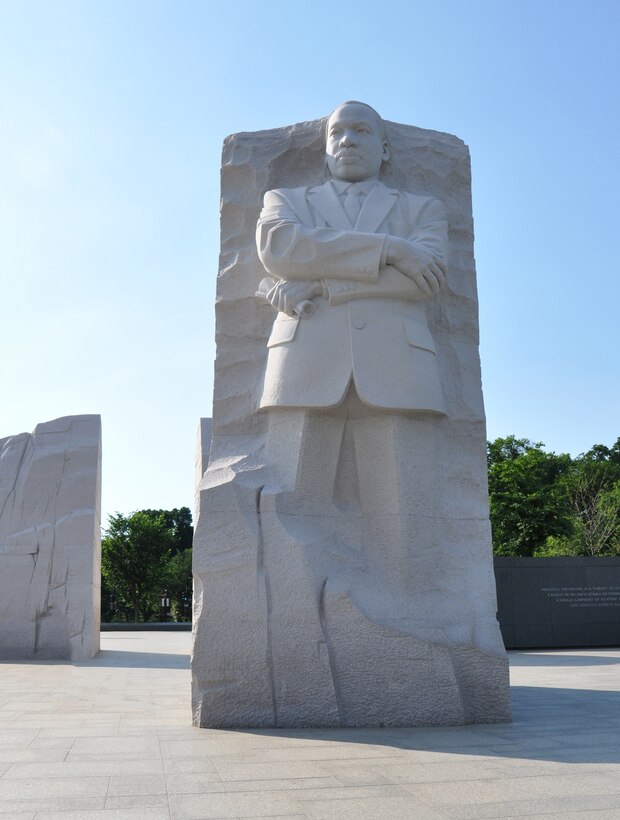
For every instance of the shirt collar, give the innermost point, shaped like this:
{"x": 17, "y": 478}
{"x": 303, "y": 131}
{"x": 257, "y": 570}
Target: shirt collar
{"x": 365, "y": 186}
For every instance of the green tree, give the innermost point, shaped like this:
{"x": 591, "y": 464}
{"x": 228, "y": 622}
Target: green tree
{"x": 135, "y": 552}
{"x": 177, "y": 576}
{"x": 527, "y": 495}
{"x": 179, "y": 584}
{"x": 594, "y": 494}
{"x": 179, "y": 522}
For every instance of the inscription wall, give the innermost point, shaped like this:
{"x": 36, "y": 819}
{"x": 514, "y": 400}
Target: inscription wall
{"x": 558, "y": 602}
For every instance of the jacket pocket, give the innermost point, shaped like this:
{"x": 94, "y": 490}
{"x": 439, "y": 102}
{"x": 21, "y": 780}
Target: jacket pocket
{"x": 418, "y": 335}
{"x": 283, "y": 331}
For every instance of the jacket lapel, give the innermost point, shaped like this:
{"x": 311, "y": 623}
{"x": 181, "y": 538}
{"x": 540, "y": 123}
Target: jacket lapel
{"x": 376, "y": 207}
{"x": 325, "y": 200}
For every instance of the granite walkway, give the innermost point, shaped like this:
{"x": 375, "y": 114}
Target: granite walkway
{"x": 111, "y": 740}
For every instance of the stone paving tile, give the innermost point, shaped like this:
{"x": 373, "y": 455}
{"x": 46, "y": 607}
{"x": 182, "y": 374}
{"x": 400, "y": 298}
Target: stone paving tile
{"x": 107, "y": 814}
{"x": 357, "y": 777}
{"x": 137, "y": 801}
{"x": 515, "y": 788}
{"x": 213, "y": 746}
{"x": 267, "y": 771}
{"x": 11, "y": 808}
{"x": 9, "y": 719}
{"x": 23, "y": 815}
{"x": 558, "y": 806}
{"x": 80, "y": 731}
{"x": 515, "y": 767}
{"x": 601, "y": 814}
{"x": 10, "y": 756}
{"x": 291, "y": 784}
{"x": 81, "y": 768}
{"x": 182, "y": 783}
{"x": 17, "y": 738}
{"x": 57, "y": 744}
{"x": 208, "y": 806}
{"x": 463, "y": 769}
{"x": 351, "y": 793}
{"x": 115, "y": 748}
{"x": 132, "y": 785}
{"x": 328, "y": 752}
{"x": 377, "y": 808}
{"x": 53, "y": 787}
{"x": 111, "y": 738}
{"x": 187, "y": 765}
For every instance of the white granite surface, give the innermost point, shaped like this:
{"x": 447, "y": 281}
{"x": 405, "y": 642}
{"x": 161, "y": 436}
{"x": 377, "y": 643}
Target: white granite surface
{"x": 342, "y": 555}
{"x": 50, "y": 540}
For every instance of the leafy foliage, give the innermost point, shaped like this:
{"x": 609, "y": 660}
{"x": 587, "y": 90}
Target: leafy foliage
{"x": 528, "y": 500}
{"x": 546, "y": 504}
{"x": 143, "y": 555}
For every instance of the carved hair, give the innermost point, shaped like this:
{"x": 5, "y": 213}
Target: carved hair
{"x": 380, "y": 123}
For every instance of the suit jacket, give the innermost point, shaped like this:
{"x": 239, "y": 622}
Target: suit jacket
{"x": 369, "y": 327}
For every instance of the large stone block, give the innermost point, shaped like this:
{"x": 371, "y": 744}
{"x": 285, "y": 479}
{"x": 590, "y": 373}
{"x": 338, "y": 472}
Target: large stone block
{"x": 50, "y": 540}
{"x": 342, "y": 554}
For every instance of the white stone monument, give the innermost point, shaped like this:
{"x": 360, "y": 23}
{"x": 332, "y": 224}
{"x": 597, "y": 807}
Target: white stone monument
{"x": 50, "y": 541}
{"x": 342, "y": 558}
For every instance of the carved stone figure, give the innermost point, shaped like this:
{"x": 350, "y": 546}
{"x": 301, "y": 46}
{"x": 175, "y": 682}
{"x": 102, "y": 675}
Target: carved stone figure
{"x": 50, "y": 540}
{"x": 367, "y": 272}
{"x": 342, "y": 553}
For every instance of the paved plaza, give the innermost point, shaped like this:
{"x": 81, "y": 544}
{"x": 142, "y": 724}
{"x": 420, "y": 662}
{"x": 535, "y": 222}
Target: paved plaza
{"x": 110, "y": 739}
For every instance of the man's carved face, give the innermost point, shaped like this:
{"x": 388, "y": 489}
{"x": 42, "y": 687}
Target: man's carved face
{"x": 355, "y": 146}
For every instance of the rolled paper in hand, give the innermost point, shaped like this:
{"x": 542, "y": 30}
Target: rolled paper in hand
{"x": 304, "y": 308}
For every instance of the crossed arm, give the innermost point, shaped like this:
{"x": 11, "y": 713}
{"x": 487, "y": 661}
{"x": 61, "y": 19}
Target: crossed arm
{"x": 345, "y": 265}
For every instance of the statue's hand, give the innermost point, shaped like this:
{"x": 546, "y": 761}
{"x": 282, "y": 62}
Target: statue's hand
{"x": 285, "y": 296}
{"x": 417, "y": 264}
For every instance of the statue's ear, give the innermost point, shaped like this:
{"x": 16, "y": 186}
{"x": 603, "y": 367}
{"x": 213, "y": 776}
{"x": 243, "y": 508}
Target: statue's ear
{"x": 386, "y": 151}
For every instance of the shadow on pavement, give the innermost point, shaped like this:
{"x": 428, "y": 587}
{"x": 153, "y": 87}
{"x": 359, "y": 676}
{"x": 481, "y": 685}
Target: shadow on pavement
{"x": 133, "y": 659}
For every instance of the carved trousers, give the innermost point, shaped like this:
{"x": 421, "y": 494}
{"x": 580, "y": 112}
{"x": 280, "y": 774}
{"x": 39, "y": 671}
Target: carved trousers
{"x": 364, "y": 477}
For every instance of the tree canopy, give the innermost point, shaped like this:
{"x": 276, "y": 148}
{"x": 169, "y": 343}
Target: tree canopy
{"x": 143, "y": 555}
{"x": 547, "y": 504}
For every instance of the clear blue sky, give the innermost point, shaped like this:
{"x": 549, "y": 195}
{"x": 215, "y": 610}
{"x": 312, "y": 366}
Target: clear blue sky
{"x": 112, "y": 116}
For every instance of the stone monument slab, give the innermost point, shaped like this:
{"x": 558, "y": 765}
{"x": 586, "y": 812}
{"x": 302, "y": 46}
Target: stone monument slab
{"x": 50, "y": 540}
{"x": 342, "y": 553}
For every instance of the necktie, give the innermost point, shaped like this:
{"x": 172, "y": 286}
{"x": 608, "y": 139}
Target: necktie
{"x": 352, "y": 204}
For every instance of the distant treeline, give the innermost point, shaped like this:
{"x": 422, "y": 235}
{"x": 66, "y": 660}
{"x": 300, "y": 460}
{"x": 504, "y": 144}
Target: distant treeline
{"x": 544, "y": 504}
{"x": 146, "y": 566}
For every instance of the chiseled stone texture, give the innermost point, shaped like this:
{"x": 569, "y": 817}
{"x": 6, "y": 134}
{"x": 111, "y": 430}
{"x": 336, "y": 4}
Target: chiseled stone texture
{"x": 50, "y": 540}
{"x": 203, "y": 446}
{"x": 295, "y": 629}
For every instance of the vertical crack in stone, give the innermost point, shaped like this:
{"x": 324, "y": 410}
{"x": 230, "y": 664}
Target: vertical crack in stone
{"x": 35, "y": 556}
{"x": 330, "y": 655}
{"x": 262, "y": 573}
{"x": 20, "y": 463}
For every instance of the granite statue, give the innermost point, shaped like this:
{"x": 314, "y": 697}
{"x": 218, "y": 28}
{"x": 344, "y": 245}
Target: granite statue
{"x": 343, "y": 558}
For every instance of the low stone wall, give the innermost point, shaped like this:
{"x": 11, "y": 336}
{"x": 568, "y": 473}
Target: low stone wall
{"x": 558, "y": 602}
{"x": 148, "y": 627}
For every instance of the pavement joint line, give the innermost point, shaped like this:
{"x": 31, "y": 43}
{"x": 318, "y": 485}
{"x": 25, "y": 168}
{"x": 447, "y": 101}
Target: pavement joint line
{"x": 129, "y": 710}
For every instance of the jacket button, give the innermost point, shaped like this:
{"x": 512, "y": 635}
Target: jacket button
{"x": 358, "y": 324}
